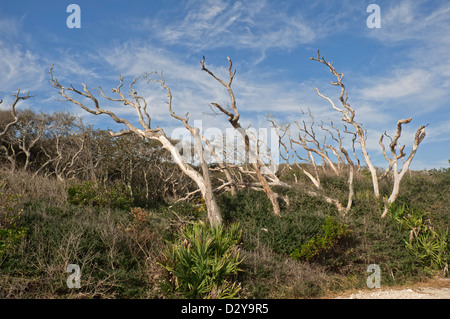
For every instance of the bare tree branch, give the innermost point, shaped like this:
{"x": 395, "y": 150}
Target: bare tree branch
{"x": 233, "y": 118}
{"x": 138, "y": 103}
{"x": 18, "y": 98}
{"x": 393, "y": 162}
{"x": 348, "y": 117}
{"x": 361, "y": 133}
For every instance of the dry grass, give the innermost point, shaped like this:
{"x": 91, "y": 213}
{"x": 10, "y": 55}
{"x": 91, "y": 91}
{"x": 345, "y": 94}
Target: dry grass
{"x": 33, "y": 187}
{"x": 274, "y": 276}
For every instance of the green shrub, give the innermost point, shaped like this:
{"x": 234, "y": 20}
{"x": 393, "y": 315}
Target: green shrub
{"x": 82, "y": 193}
{"x": 301, "y": 221}
{"x": 96, "y": 240}
{"x": 428, "y": 246}
{"x": 88, "y": 193}
{"x": 430, "y": 249}
{"x": 333, "y": 230}
{"x": 10, "y": 230}
{"x": 200, "y": 263}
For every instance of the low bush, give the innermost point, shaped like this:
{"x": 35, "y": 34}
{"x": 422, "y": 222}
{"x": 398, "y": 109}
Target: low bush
{"x": 31, "y": 187}
{"x": 202, "y": 261}
{"x": 118, "y": 246}
{"x": 429, "y": 246}
{"x": 300, "y": 222}
{"x": 89, "y": 193}
{"x": 266, "y": 274}
{"x": 59, "y": 236}
{"x": 332, "y": 232}
{"x": 11, "y": 232}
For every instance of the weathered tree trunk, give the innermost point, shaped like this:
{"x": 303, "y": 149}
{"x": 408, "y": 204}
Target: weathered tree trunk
{"x": 139, "y": 104}
{"x": 372, "y": 169}
{"x": 393, "y": 163}
{"x": 203, "y": 182}
{"x": 212, "y": 208}
{"x": 233, "y": 118}
{"x": 272, "y": 196}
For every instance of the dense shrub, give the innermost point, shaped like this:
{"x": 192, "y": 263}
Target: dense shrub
{"x": 11, "y": 232}
{"x": 118, "y": 246}
{"x": 333, "y": 231}
{"x": 89, "y": 193}
{"x": 202, "y": 261}
{"x": 429, "y": 246}
{"x": 59, "y": 236}
{"x": 266, "y": 274}
{"x": 34, "y": 187}
{"x": 252, "y": 210}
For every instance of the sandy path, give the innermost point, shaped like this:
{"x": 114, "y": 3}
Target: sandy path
{"x": 435, "y": 289}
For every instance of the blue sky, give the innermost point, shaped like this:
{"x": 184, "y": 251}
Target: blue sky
{"x": 397, "y": 71}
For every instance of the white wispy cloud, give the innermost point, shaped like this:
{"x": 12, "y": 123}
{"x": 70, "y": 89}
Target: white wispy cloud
{"x": 75, "y": 65}
{"x": 439, "y": 132}
{"x": 10, "y": 28}
{"x": 408, "y": 20}
{"x": 401, "y": 83}
{"x": 415, "y": 82}
{"x": 417, "y": 78}
{"x": 241, "y": 24}
{"x": 257, "y": 94}
{"x": 19, "y": 67}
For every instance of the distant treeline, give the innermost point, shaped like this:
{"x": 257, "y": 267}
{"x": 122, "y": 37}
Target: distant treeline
{"x": 59, "y": 145}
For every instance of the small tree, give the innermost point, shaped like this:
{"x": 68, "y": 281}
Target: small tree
{"x": 62, "y": 146}
{"x": 393, "y": 162}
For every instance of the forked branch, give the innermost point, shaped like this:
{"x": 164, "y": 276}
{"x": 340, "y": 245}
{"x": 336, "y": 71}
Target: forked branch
{"x": 233, "y": 118}
{"x": 349, "y": 117}
{"x": 18, "y": 98}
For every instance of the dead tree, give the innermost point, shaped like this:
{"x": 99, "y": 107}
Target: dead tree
{"x": 361, "y": 133}
{"x": 233, "y": 118}
{"x": 20, "y": 143}
{"x": 349, "y": 117}
{"x": 308, "y": 140}
{"x": 66, "y": 138}
{"x": 202, "y": 180}
{"x": 393, "y": 162}
{"x": 18, "y": 98}
{"x": 30, "y": 129}
{"x": 8, "y": 149}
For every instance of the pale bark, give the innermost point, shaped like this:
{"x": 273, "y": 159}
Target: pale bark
{"x": 233, "y": 118}
{"x": 351, "y": 192}
{"x": 9, "y": 151}
{"x": 140, "y": 105}
{"x": 393, "y": 162}
{"x": 18, "y": 98}
{"x": 348, "y": 117}
{"x": 309, "y": 142}
{"x": 221, "y": 163}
